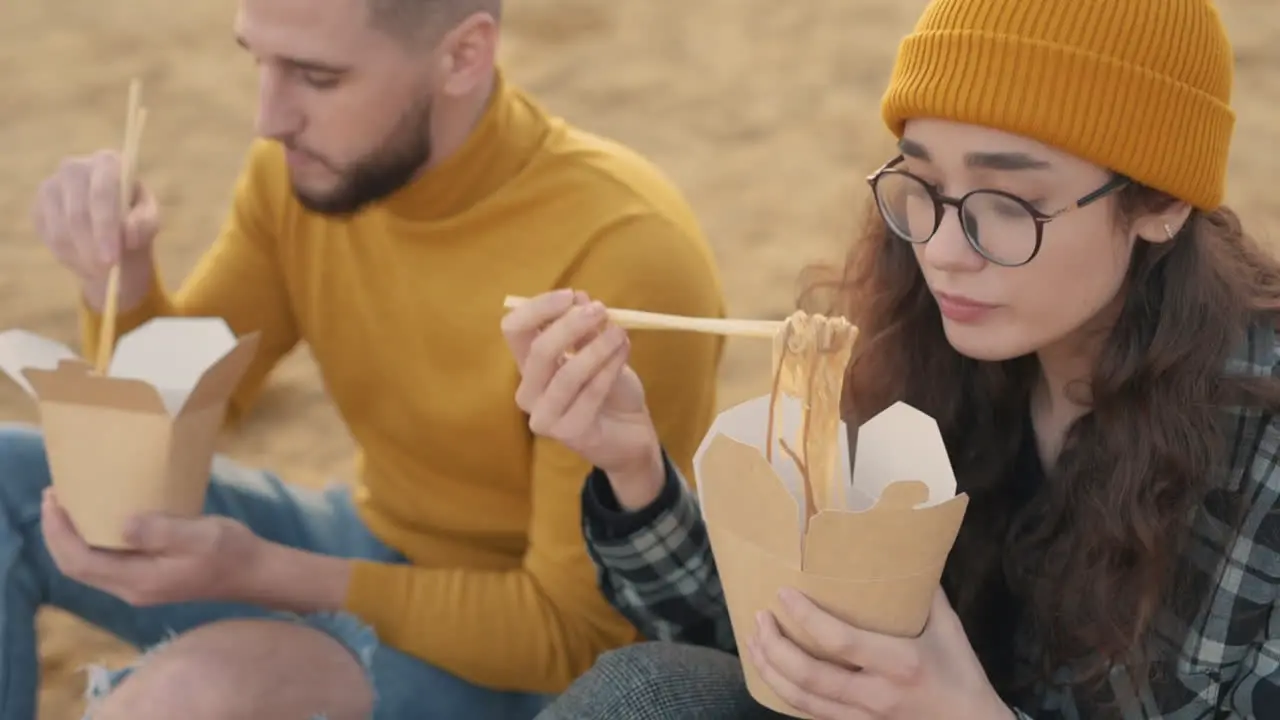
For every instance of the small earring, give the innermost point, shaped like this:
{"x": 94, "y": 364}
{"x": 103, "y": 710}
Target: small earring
{"x": 1168, "y": 231}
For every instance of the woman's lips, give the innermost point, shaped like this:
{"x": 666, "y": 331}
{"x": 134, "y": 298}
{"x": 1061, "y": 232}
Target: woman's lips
{"x": 958, "y": 308}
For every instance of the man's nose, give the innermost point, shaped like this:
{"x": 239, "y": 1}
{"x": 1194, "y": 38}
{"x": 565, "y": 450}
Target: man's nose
{"x": 278, "y": 116}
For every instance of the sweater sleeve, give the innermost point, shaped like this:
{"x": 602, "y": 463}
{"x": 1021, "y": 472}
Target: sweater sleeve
{"x": 539, "y": 627}
{"x": 655, "y": 564}
{"x": 238, "y": 279}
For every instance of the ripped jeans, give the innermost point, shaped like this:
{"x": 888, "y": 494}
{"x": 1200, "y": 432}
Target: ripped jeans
{"x": 323, "y": 522}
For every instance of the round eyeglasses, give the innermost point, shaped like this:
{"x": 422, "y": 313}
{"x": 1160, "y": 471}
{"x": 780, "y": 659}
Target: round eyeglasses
{"x": 1000, "y": 226}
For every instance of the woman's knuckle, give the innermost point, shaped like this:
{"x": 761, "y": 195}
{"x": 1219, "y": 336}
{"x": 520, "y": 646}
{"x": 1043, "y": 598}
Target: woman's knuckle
{"x": 842, "y": 646}
{"x": 525, "y": 398}
{"x": 539, "y": 424}
{"x": 543, "y": 349}
{"x": 909, "y": 666}
{"x": 800, "y": 700}
{"x": 571, "y": 429}
{"x": 70, "y": 567}
{"x": 807, "y": 678}
{"x": 511, "y": 324}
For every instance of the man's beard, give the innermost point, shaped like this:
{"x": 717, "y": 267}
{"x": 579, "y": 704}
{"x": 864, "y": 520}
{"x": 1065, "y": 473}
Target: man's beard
{"x": 381, "y": 172}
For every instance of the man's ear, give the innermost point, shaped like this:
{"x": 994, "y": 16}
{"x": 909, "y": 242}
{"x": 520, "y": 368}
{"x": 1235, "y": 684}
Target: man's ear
{"x": 1163, "y": 225}
{"x": 469, "y": 53}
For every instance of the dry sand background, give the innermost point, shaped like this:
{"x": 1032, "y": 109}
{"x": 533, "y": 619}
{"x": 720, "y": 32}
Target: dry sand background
{"x": 765, "y": 112}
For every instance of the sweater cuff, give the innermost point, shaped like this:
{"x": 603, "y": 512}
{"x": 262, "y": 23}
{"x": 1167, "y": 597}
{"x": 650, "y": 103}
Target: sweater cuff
{"x": 606, "y": 519}
{"x": 377, "y": 594}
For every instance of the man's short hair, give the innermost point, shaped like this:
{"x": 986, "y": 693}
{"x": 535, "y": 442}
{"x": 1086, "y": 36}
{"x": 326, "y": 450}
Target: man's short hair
{"x": 410, "y": 18}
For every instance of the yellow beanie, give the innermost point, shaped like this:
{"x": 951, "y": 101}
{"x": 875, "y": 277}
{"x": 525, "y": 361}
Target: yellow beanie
{"x": 1142, "y": 87}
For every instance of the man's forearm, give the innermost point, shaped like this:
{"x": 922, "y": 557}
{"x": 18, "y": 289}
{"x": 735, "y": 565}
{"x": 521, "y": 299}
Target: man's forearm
{"x": 285, "y": 578}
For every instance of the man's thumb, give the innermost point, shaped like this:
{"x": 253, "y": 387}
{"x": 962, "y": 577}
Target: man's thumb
{"x": 142, "y": 222}
{"x": 160, "y": 534}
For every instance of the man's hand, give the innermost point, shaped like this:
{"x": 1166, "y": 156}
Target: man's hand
{"x": 172, "y": 559}
{"x": 77, "y": 215}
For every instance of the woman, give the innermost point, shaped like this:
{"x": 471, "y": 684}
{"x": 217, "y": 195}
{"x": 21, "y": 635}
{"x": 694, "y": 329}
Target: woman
{"x": 1050, "y": 275}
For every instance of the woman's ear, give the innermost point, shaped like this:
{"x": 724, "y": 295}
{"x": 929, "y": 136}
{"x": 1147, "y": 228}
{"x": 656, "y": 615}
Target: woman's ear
{"x": 1163, "y": 225}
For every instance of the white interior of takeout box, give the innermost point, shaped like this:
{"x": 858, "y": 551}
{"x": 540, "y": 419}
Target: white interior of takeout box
{"x": 172, "y": 354}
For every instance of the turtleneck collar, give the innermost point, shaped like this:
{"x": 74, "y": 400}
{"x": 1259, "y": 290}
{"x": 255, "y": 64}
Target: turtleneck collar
{"x": 509, "y": 132}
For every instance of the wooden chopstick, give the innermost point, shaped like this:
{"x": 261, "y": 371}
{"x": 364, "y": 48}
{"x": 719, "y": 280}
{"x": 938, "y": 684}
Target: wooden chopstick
{"x": 641, "y": 320}
{"x": 135, "y": 120}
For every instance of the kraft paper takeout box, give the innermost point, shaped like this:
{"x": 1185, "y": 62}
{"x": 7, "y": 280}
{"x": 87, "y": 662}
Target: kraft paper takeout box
{"x": 140, "y": 438}
{"x": 873, "y": 549}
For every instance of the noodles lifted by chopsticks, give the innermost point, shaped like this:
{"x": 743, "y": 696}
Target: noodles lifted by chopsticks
{"x": 810, "y": 356}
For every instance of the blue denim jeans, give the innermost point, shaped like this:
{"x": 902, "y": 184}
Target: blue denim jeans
{"x": 323, "y": 522}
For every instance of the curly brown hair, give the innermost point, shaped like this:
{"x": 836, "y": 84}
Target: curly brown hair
{"x": 1095, "y": 556}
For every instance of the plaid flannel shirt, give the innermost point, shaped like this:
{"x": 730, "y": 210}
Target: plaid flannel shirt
{"x": 656, "y": 567}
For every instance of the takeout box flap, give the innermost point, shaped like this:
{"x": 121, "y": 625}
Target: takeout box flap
{"x": 21, "y": 350}
{"x": 73, "y": 382}
{"x": 219, "y": 382}
{"x": 898, "y": 536}
{"x": 748, "y": 424}
{"x": 901, "y": 443}
{"x": 742, "y": 494}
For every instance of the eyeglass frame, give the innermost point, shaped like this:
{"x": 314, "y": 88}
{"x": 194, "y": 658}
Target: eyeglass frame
{"x": 1116, "y": 183}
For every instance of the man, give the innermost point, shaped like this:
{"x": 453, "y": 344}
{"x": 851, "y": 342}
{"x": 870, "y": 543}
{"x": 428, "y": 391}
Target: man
{"x": 400, "y": 190}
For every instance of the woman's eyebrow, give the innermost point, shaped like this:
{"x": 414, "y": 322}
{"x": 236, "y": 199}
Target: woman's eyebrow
{"x": 913, "y": 149}
{"x": 1005, "y": 161}
{"x": 981, "y": 160}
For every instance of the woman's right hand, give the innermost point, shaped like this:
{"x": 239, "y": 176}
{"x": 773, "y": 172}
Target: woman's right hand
{"x": 577, "y": 388}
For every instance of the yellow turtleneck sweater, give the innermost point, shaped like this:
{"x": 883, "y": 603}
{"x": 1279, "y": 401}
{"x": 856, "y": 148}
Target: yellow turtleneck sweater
{"x": 401, "y": 306}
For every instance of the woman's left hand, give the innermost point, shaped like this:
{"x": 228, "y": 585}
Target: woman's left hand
{"x": 931, "y": 676}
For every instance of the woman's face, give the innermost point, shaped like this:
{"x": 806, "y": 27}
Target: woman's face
{"x": 992, "y": 312}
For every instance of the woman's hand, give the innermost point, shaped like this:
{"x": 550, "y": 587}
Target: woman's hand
{"x": 935, "y": 675}
{"x": 577, "y": 389}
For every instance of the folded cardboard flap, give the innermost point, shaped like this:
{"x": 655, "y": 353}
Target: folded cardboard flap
{"x": 898, "y": 537}
{"x": 745, "y": 497}
{"x": 166, "y": 365}
{"x": 902, "y": 443}
{"x": 21, "y": 350}
{"x": 218, "y": 383}
{"x": 73, "y": 383}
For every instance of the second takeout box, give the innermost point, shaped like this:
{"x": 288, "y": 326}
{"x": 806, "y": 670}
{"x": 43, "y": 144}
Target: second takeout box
{"x": 142, "y": 437}
{"x": 865, "y": 542}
